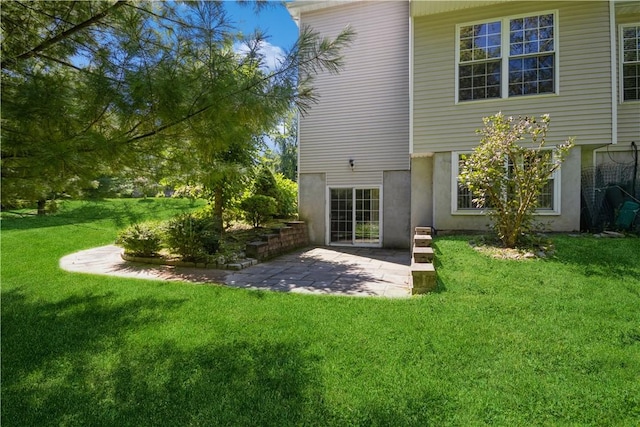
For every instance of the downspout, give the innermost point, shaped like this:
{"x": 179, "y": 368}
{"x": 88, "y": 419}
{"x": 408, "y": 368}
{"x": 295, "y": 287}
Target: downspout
{"x": 635, "y": 166}
{"x": 614, "y": 83}
{"x": 614, "y": 73}
{"x": 410, "y": 82}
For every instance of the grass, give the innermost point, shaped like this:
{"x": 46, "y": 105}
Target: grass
{"x": 533, "y": 342}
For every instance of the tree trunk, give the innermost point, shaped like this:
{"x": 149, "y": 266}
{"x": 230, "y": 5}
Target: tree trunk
{"x": 42, "y": 207}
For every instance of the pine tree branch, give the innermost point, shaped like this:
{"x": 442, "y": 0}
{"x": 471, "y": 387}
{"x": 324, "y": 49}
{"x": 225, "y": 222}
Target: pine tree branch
{"x": 65, "y": 34}
{"x": 317, "y": 56}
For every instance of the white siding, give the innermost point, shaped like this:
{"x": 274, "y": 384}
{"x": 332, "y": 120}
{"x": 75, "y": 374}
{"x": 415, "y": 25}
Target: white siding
{"x": 363, "y": 112}
{"x": 581, "y": 109}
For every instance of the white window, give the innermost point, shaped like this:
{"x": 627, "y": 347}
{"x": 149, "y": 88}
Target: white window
{"x": 507, "y": 57}
{"x": 462, "y": 197}
{"x": 630, "y": 54}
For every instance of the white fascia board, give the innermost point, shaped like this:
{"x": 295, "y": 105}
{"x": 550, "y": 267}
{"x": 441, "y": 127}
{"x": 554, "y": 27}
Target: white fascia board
{"x": 423, "y": 8}
{"x": 298, "y": 7}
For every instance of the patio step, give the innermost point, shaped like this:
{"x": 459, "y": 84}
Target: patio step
{"x": 423, "y": 272}
{"x": 423, "y": 231}
{"x": 422, "y": 254}
{"x": 423, "y": 278}
{"x": 422, "y": 240}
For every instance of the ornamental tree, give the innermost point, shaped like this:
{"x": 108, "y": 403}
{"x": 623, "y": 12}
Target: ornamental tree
{"x": 507, "y": 172}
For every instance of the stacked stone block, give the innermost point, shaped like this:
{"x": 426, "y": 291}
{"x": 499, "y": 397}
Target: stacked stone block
{"x": 293, "y": 236}
{"x": 423, "y": 272}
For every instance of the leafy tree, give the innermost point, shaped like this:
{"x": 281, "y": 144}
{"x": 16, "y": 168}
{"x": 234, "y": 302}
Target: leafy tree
{"x": 506, "y": 177}
{"x": 91, "y": 86}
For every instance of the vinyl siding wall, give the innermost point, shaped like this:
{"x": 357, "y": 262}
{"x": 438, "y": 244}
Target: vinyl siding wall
{"x": 628, "y": 112}
{"x": 582, "y": 108}
{"x": 363, "y": 112}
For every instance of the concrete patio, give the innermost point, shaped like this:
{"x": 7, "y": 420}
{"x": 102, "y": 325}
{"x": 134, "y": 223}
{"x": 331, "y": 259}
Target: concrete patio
{"x": 320, "y": 270}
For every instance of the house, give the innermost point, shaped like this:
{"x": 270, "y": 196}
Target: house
{"x": 379, "y": 153}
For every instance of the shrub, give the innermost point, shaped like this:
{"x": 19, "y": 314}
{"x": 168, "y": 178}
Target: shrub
{"x": 287, "y": 196}
{"x": 258, "y": 209}
{"x": 265, "y": 183}
{"x": 506, "y": 177}
{"x": 193, "y": 236}
{"x": 140, "y": 239}
{"x": 52, "y": 206}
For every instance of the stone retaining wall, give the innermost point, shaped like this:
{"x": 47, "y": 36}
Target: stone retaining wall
{"x": 293, "y": 236}
{"x": 238, "y": 265}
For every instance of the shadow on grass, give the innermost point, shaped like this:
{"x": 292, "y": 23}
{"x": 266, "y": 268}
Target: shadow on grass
{"x": 600, "y": 257}
{"x": 83, "y": 361}
{"x": 68, "y": 363}
{"x": 35, "y": 333}
{"x": 121, "y": 211}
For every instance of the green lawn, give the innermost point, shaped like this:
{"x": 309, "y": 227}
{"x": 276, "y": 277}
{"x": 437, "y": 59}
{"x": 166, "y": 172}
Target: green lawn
{"x": 535, "y": 342}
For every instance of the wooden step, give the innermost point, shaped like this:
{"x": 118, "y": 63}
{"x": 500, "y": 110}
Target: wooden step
{"x": 423, "y": 231}
{"x": 423, "y": 278}
{"x": 422, "y": 240}
{"x": 423, "y": 267}
{"x": 422, "y": 254}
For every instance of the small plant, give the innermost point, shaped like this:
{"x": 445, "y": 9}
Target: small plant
{"x": 192, "y": 236}
{"x": 141, "y": 240}
{"x": 508, "y": 178}
{"x": 258, "y": 209}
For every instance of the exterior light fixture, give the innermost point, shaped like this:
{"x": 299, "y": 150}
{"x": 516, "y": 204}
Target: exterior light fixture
{"x": 352, "y": 163}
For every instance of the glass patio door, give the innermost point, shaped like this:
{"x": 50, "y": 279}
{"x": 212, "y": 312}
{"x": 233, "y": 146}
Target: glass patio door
{"x": 354, "y": 216}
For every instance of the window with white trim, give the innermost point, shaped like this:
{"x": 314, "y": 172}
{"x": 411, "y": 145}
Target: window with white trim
{"x": 521, "y": 48}
{"x": 462, "y": 197}
{"x": 630, "y": 54}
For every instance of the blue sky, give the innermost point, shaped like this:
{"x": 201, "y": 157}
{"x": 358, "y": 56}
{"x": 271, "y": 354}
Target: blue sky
{"x": 274, "y": 21}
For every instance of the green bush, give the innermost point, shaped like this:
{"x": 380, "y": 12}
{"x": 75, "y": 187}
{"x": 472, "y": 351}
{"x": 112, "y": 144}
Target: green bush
{"x": 141, "y": 239}
{"x": 265, "y": 183}
{"x": 52, "y": 206}
{"x": 192, "y": 236}
{"x": 287, "y": 196}
{"x": 258, "y": 209}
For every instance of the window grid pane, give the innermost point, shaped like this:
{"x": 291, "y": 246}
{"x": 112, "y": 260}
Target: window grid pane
{"x": 479, "y": 81}
{"x": 631, "y": 63}
{"x": 531, "y": 61}
{"x": 531, "y": 75}
{"x": 479, "y": 69}
{"x": 465, "y": 196}
{"x": 546, "y": 197}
